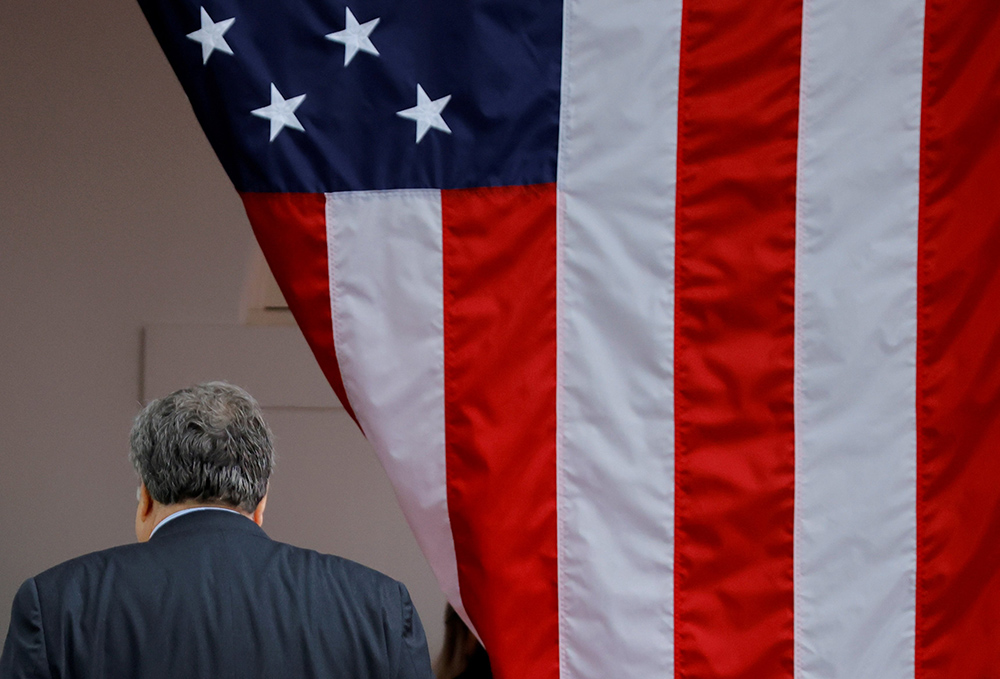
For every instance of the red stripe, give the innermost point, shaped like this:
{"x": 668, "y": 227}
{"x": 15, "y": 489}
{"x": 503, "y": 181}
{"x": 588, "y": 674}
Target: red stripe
{"x": 291, "y": 230}
{"x": 958, "y": 350}
{"x": 500, "y": 418}
{"x": 734, "y": 352}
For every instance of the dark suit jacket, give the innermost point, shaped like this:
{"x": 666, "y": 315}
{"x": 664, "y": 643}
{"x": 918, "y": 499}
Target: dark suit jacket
{"x": 210, "y": 595}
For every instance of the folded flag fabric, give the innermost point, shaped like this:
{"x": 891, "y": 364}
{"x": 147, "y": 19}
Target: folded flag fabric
{"x": 675, "y": 324}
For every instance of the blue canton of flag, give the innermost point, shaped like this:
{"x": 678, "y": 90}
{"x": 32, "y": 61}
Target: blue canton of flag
{"x": 302, "y": 96}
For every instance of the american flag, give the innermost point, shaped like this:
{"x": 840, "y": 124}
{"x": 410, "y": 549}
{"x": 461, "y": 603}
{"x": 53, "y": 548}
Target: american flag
{"x": 675, "y": 325}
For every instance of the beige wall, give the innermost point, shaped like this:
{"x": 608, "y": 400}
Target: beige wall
{"x": 114, "y": 214}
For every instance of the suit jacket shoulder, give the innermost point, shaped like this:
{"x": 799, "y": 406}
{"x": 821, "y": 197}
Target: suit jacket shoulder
{"x": 211, "y": 595}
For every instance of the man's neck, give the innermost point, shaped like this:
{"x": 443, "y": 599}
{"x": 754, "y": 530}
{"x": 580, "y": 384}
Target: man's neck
{"x": 173, "y": 511}
{"x": 150, "y": 514}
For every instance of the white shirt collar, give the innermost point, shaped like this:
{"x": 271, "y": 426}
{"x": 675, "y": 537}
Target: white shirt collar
{"x": 188, "y": 511}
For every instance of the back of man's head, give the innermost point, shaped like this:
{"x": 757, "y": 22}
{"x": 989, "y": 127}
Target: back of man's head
{"x": 207, "y": 443}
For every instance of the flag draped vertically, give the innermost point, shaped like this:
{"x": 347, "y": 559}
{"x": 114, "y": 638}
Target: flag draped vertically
{"x": 675, "y": 324}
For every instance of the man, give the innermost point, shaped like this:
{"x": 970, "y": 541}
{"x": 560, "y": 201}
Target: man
{"x": 206, "y": 593}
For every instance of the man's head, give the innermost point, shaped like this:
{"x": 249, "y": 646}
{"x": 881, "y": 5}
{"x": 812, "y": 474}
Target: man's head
{"x": 204, "y": 445}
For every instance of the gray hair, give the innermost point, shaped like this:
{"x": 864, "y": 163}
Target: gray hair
{"x": 208, "y": 442}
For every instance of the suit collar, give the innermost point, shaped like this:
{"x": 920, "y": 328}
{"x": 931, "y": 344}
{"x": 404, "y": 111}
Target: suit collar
{"x": 209, "y": 520}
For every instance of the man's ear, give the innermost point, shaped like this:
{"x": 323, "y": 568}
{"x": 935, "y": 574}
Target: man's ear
{"x": 143, "y": 514}
{"x": 145, "y": 502}
{"x": 258, "y": 512}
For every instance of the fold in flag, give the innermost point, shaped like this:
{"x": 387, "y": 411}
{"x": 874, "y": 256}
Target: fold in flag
{"x": 675, "y": 325}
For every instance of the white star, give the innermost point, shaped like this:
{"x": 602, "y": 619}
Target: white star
{"x": 427, "y": 113}
{"x": 281, "y": 112}
{"x": 355, "y": 37}
{"x": 210, "y": 36}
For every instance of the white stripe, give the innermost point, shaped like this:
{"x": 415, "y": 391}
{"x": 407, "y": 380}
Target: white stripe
{"x": 385, "y": 258}
{"x": 616, "y": 438}
{"x": 855, "y": 525}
